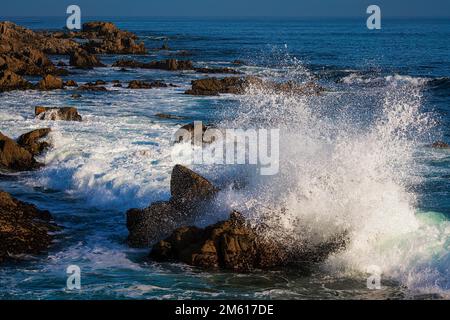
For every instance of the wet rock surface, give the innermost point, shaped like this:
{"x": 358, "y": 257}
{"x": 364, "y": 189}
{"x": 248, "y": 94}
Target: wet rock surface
{"x": 32, "y": 141}
{"x": 15, "y": 157}
{"x": 24, "y": 229}
{"x": 57, "y": 113}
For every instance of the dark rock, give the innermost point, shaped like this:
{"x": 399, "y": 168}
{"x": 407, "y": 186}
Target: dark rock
{"x": 189, "y": 191}
{"x": 138, "y": 84}
{"x": 189, "y": 129}
{"x": 117, "y": 85}
{"x": 56, "y": 113}
{"x": 61, "y": 64}
{"x": 71, "y": 83}
{"x": 50, "y": 82}
{"x": 11, "y": 81}
{"x": 169, "y": 64}
{"x": 169, "y": 116}
{"x": 237, "y": 85}
{"x": 31, "y": 141}
{"x": 238, "y": 62}
{"x": 24, "y": 229}
{"x": 76, "y": 96}
{"x": 217, "y": 70}
{"x": 440, "y": 145}
{"x": 14, "y": 157}
{"x": 90, "y": 87}
{"x": 99, "y": 83}
{"x": 84, "y": 60}
{"x": 235, "y": 245}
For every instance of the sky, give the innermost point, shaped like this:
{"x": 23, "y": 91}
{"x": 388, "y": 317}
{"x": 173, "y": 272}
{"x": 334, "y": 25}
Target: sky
{"x": 228, "y": 8}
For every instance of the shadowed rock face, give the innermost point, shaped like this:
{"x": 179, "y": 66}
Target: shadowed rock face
{"x": 31, "y": 141}
{"x": 189, "y": 191}
{"x": 236, "y": 245}
{"x": 138, "y": 84}
{"x": 14, "y": 157}
{"x": 24, "y": 229}
{"x": 84, "y": 60}
{"x": 169, "y": 64}
{"x": 52, "y": 113}
{"x": 50, "y": 82}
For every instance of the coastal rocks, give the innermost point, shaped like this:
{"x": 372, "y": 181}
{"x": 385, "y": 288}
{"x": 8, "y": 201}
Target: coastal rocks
{"x": 138, "y": 84}
{"x": 71, "y": 83}
{"x": 50, "y": 82}
{"x": 168, "y": 64}
{"x": 189, "y": 191}
{"x": 187, "y": 133}
{"x": 83, "y": 60}
{"x": 93, "y": 88}
{"x": 24, "y": 229}
{"x": 230, "y": 244}
{"x": 55, "y": 113}
{"x": 11, "y": 81}
{"x": 238, "y": 85}
{"x": 440, "y": 145}
{"x": 32, "y": 141}
{"x": 14, "y": 157}
{"x": 106, "y": 38}
{"x": 217, "y": 70}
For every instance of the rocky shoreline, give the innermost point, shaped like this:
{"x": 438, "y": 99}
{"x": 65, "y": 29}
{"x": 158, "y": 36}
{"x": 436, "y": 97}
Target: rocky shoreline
{"x": 167, "y": 228}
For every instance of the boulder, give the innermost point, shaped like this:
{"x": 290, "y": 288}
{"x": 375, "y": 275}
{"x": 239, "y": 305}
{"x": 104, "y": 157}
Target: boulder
{"x": 83, "y": 60}
{"x": 31, "y": 141}
{"x": 189, "y": 192}
{"x": 24, "y": 229}
{"x": 50, "y": 82}
{"x": 11, "y": 81}
{"x": 57, "y": 113}
{"x": 89, "y": 87}
{"x": 215, "y": 86}
{"x": 169, "y": 64}
{"x": 14, "y": 157}
{"x": 217, "y": 70}
{"x": 236, "y": 245}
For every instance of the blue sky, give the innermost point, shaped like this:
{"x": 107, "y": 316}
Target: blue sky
{"x": 229, "y": 8}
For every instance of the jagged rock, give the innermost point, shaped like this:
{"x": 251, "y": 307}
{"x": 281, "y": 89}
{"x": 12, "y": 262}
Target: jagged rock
{"x": 56, "y": 113}
{"x": 11, "y": 81}
{"x": 84, "y": 60}
{"x": 14, "y": 157}
{"x": 189, "y": 191}
{"x": 31, "y": 141}
{"x": 138, "y": 84}
{"x": 71, "y": 83}
{"x": 169, "y": 64}
{"x": 237, "y": 85}
{"x": 50, "y": 82}
{"x": 440, "y": 145}
{"x": 112, "y": 39}
{"x": 236, "y": 245}
{"x": 24, "y": 229}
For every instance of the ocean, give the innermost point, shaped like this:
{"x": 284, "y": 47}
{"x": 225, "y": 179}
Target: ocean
{"x": 357, "y": 158}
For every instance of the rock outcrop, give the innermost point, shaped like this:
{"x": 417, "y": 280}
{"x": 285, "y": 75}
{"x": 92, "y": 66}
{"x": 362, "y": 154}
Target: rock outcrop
{"x": 32, "y": 141}
{"x": 239, "y": 85}
{"x": 217, "y": 70}
{"x": 15, "y": 157}
{"x": 139, "y": 84}
{"x": 83, "y": 60}
{"x": 24, "y": 229}
{"x": 440, "y": 145}
{"x": 10, "y": 81}
{"x": 57, "y": 113}
{"x": 189, "y": 191}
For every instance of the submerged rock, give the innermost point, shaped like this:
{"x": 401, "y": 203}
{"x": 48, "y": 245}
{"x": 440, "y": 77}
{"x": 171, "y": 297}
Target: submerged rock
{"x": 15, "y": 157}
{"x": 71, "y": 83}
{"x": 24, "y": 229}
{"x": 189, "y": 191}
{"x": 50, "y": 82}
{"x": 31, "y": 141}
{"x": 57, "y": 113}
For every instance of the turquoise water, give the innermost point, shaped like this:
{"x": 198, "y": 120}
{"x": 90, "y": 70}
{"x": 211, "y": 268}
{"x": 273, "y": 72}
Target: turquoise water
{"x": 389, "y": 98}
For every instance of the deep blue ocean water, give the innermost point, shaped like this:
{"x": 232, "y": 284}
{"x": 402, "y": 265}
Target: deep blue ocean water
{"x": 118, "y": 157}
